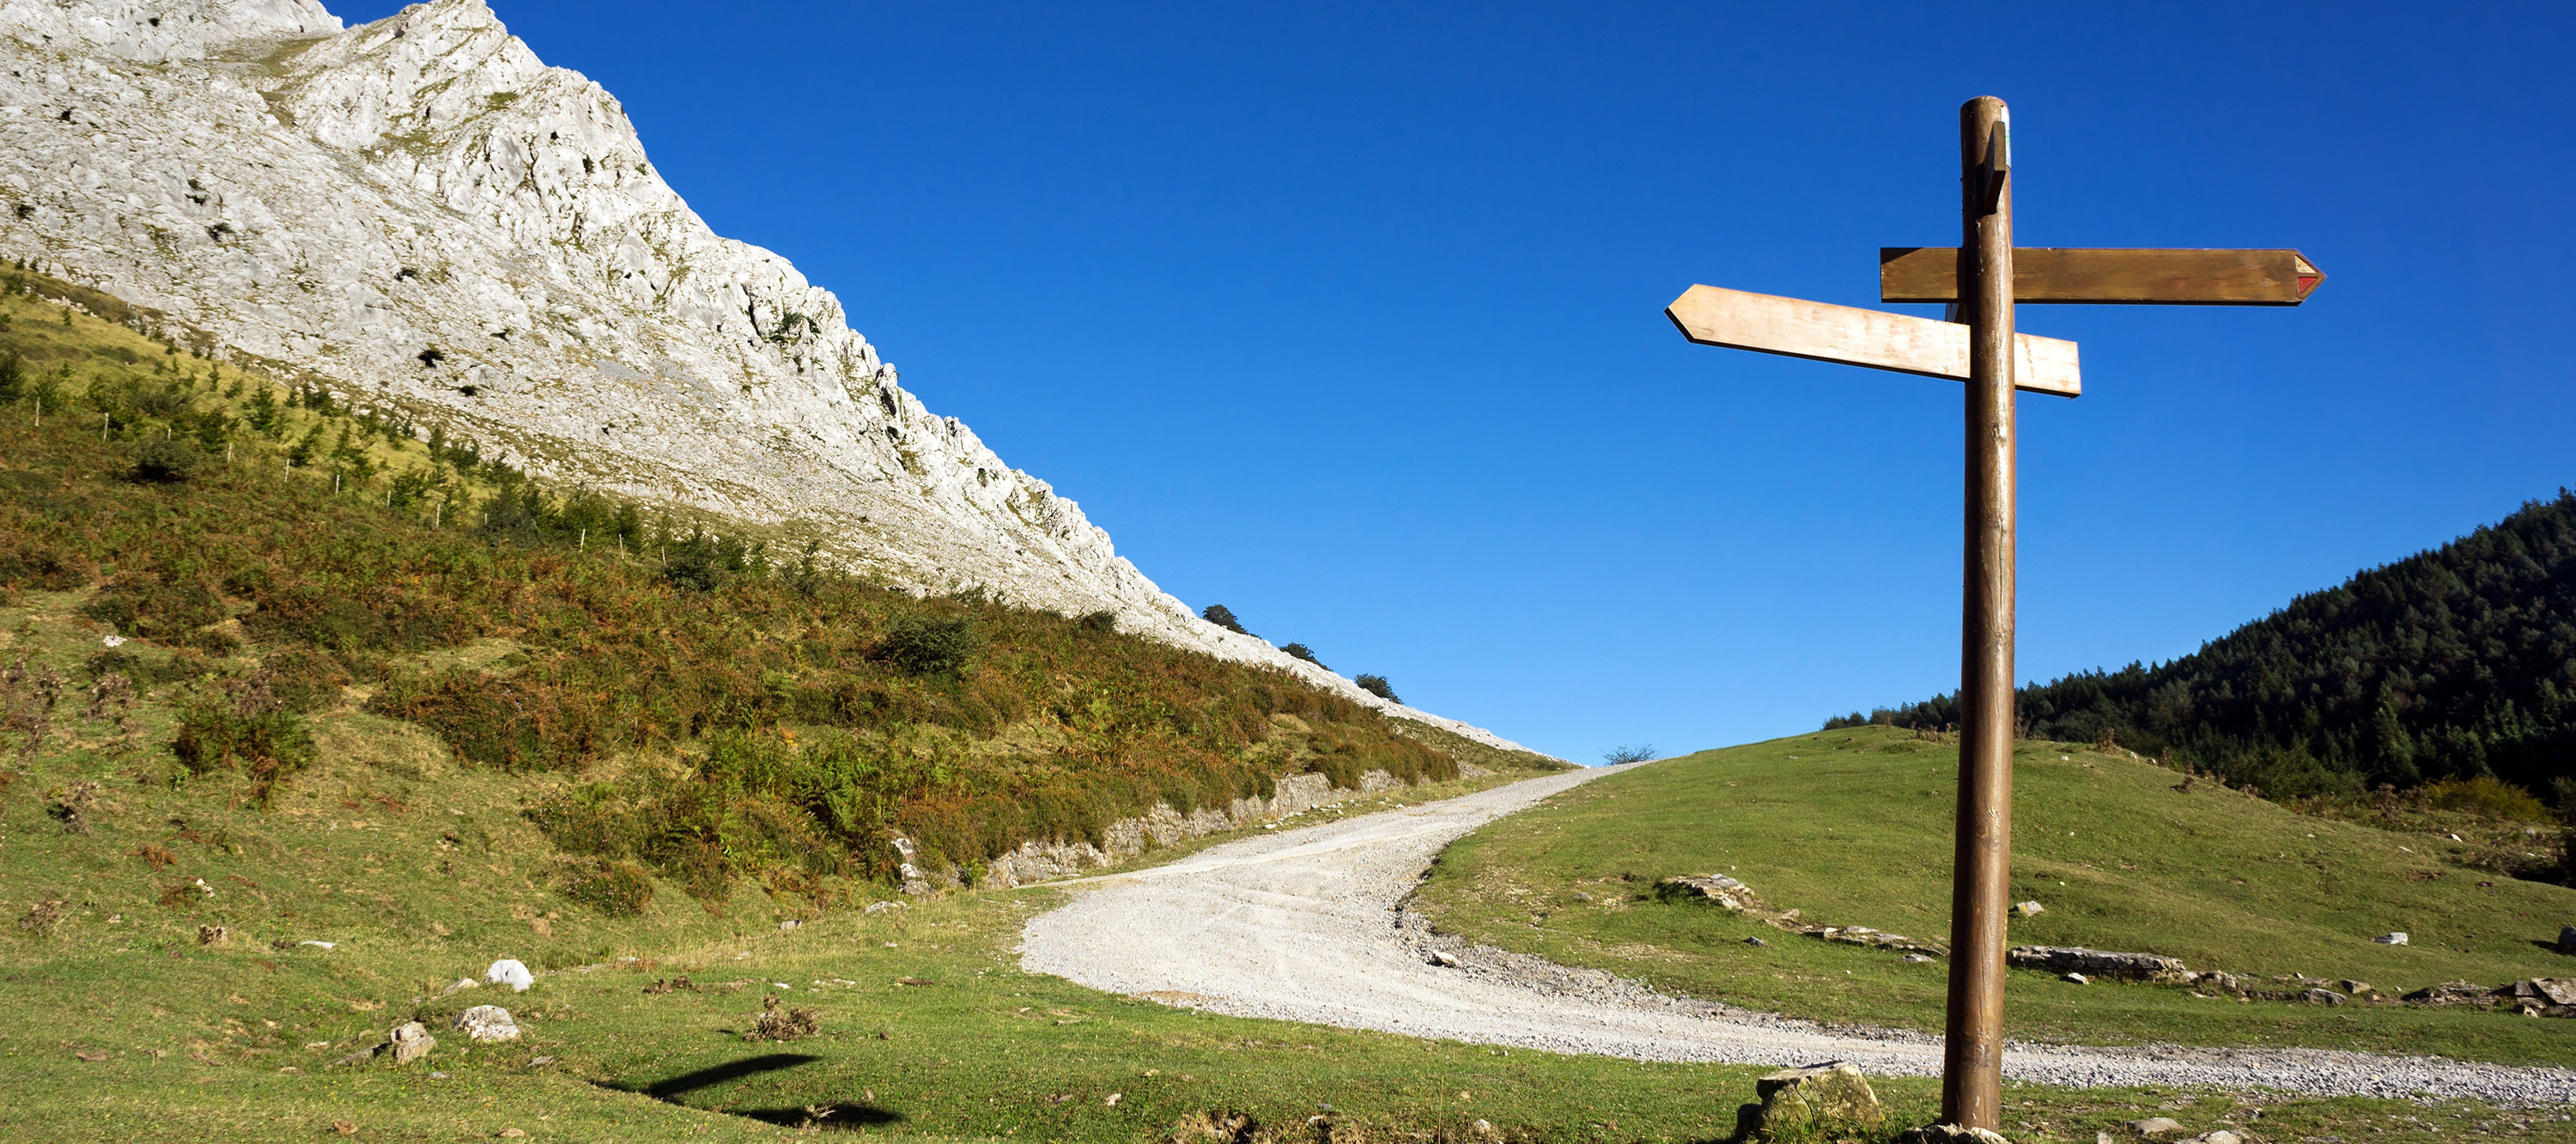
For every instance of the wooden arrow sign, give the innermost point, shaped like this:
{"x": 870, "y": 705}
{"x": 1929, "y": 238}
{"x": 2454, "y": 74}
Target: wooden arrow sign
{"x": 2057, "y": 274}
{"x": 1795, "y": 327}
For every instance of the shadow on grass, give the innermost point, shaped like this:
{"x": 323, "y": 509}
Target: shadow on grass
{"x": 837, "y": 1115}
{"x": 842, "y": 1116}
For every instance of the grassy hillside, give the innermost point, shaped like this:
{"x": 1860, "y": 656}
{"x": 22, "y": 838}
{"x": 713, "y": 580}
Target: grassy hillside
{"x": 285, "y": 565}
{"x": 2454, "y": 663}
{"x": 1851, "y": 827}
{"x": 391, "y": 697}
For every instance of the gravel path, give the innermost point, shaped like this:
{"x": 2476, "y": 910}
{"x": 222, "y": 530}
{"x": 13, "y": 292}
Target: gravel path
{"x": 1306, "y": 925}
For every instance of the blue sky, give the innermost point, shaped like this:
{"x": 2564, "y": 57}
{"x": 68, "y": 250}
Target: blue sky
{"x": 1349, "y": 316}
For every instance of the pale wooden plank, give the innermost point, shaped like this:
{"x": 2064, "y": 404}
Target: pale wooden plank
{"x": 1795, "y": 327}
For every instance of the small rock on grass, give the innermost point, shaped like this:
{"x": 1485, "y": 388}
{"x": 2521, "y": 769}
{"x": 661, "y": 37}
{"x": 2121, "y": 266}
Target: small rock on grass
{"x": 1444, "y": 959}
{"x": 2567, "y": 939}
{"x": 411, "y": 1041}
{"x": 488, "y": 1023}
{"x": 2076, "y": 978}
{"x": 2396, "y": 938}
{"x": 1829, "y": 1097}
{"x": 2154, "y": 1126}
{"x": 2029, "y": 909}
{"x": 1948, "y": 1134}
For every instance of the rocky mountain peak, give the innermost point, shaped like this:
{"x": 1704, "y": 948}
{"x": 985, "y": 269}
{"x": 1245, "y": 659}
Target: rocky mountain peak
{"x": 426, "y": 214}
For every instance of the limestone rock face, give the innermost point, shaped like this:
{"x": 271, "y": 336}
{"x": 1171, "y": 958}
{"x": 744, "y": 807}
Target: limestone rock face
{"x": 425, "y": 214}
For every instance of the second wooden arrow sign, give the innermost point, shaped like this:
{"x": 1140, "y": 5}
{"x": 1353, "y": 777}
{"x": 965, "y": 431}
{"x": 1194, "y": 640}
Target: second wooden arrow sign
{"x": 2061, "y": 274}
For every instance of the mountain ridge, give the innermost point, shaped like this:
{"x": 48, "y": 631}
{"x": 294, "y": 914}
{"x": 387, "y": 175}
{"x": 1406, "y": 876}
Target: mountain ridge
{"x": 424, "y": 213}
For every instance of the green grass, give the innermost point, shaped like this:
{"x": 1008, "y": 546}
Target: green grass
{"x": 233, "y": 1043}
{"x": 1852, "y": 827}
{"x": 424, "y": 865}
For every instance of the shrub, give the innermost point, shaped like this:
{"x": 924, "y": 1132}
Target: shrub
{"x": 1303, "y": 652}
{"x": 1223, "y": 617}
{"x": 378, "y": 619}
{"x": 167, "y": 460}
{"x": 1377, "y": 685}
{"x": 1102, "y": 622}
{"x": 618, "y": 889}
{"x": 303, "y": 678}
{"x": 703, "y": 561}
{"x": 930, "y": 645}
{"x": 142, "y": 604}
{"x": 2484, "y": 794}
{"x": 29, "y": 561}
{"x": 266, "y": 745}
{"x": 1642, "y": 752}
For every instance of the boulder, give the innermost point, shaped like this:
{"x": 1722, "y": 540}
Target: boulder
{"x": 508, "y": 971}
{"x": 2221, "y": 981}
{"x": 1818, "y": 1099}
{"x": 2155, "y": 1126}
{"x": 2567, "y": 939}
{"x": 2076, "y": 978}
{"x": 2221, "y": 1136}
{"x": 1725, "y": 892}
{"x": 2323, "y": 997}
{"x": 1444, "y": 959}
{"x": 2559, "y": 990}
{"x": 2095, "y": 962}
{"x": 410, "y": 1042}
{"x": 2396, "y": 938}
{"x": 488, "y": 1023}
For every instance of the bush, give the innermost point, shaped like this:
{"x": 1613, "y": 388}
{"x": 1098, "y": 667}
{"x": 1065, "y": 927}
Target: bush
{"x": 618, "y": 889}
{"x": 1223, "y": 617}
{"x": 266, "y": 745}
{"x": 1377, "y": 685}
{"x": 142, "y": 604}
{"x": 167, "y": 460}
{"x": 303, "y": 678}
{"x": 1642, "y": 752}
{"x": 1303, "y": 652}
{"x": 930, "y": 645}
{"x": 1102, "y": 622}
{"x": 2484, "y": 794}
{"x": 28, "y": 561}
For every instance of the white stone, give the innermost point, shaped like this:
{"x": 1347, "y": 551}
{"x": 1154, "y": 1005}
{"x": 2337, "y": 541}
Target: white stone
{"x": 2398, "y": 938}
{"x": 508, "y": 971}
{"x": 488, "y": 1023}
{"x": 344, "y": 200}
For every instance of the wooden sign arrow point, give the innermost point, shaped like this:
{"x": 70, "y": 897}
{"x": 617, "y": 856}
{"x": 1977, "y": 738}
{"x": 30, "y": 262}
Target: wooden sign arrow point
{"x": 2309, "y": 275}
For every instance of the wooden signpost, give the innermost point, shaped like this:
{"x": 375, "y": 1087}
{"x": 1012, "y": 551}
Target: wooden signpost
{"x": 1982, "y": 279}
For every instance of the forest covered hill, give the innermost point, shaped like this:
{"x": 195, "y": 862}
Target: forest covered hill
{"x": 2455, "y": 663}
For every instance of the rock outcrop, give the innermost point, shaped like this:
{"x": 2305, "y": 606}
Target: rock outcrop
{"x": 421, "y": 214}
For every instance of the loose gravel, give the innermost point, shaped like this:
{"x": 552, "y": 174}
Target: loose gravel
{"x": 1308, "y": 925}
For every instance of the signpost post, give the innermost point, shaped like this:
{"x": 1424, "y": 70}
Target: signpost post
{"x": 1982, "y": 278}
